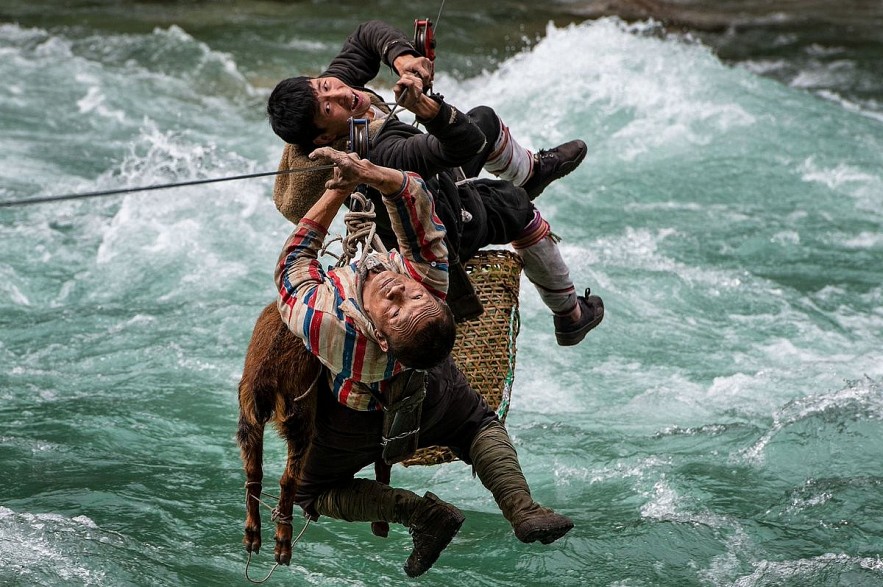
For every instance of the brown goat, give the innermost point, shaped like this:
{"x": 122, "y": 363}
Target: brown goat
{"x": 277, "y": 383}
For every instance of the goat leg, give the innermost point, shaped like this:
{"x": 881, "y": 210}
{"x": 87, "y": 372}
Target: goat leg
{"x": 251, "y": 442}
{"x": 297, "y": 429}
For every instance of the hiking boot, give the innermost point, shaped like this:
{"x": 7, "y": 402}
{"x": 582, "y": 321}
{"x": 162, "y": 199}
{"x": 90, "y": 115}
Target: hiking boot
{"x": 496, "y": 464}
{"x": 533, "y": 522}
{"x": 552, "y": 164}
{"x": 432, "y": 526}
{"x": 569, "y": 332}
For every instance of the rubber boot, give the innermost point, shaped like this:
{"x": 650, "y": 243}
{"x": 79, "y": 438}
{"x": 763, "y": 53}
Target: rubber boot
{"x": 432, "y": 522}
{"x": 496, "y": 463}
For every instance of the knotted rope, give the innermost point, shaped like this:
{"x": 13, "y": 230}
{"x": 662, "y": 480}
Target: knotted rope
{"x": 360, "y": 230}
{"x": 277, "y": 517}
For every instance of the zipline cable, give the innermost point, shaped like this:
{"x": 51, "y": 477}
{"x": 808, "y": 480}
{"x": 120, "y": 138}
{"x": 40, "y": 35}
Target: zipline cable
{"x": 61, "y": 197}
{"x": 438, "y": 18}
{"x": 104, "y": 193}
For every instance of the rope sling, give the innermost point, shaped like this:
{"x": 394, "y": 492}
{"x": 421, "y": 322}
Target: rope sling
{"x": 361, "y": 231}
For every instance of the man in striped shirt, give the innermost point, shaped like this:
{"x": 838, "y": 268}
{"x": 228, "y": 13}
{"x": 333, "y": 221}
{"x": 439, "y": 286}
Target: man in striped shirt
{"x": 370, "y": 323}
{"x": 351, "y": 317}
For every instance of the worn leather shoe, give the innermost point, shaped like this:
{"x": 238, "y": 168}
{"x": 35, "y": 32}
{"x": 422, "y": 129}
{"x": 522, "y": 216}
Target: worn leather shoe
{"x": 545, "y": 527}
{"x": 533, "y": 522}
{"x": 552, "y": 164}
{"x": 433, "y": 525}
{"x": 570, "y": 332}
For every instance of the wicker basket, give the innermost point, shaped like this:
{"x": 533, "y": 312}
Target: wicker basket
{"x": 485, "y": 348}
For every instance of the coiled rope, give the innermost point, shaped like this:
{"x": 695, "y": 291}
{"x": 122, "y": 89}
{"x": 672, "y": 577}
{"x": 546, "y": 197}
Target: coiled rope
{"x": 360, "y": 231}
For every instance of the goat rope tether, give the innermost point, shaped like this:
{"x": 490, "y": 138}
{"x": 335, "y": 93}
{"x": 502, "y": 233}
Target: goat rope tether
{"x": 279, "y": 519}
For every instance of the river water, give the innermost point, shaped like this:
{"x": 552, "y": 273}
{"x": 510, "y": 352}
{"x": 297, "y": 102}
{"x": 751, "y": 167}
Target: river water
{"x": 721, "y": 427}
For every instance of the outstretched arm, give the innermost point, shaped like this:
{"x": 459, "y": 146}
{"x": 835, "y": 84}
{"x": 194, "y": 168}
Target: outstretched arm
{"x": 419, "y": 232}
{"x": 349, "y": 171}
{"x": 374, "y": 43}
{"x": 305, "y": 305}
{"x": 451, "y": 139}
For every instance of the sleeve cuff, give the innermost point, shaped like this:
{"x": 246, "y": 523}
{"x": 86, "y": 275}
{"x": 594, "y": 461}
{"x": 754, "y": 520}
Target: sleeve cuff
{"x": 397, "y": 195}
{"x": 446, "y": 115}
{"x": 313, "y": 227}
{"x": 396, "y": 49}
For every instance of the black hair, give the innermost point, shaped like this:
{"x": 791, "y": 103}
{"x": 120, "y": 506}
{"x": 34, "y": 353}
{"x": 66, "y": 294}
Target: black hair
{"x": 292, "y": 107}
{"x": 430, "y": 345}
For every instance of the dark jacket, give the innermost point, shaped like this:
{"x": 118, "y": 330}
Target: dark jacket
{"x": 451, "y": 139}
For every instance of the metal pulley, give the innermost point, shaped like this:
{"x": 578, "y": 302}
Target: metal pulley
{"x": 358, "y": 141}
{"x": 424, "y": 38}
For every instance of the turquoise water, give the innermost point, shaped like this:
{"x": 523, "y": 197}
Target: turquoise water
{"x": 722, "y": 426}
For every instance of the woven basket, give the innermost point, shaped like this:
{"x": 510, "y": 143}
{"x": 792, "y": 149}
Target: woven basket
{"x": 485, "y": 348}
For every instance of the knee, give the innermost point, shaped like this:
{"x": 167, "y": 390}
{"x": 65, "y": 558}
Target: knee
{"x": 488, "y": 121}
{"x": 307, "y": 503}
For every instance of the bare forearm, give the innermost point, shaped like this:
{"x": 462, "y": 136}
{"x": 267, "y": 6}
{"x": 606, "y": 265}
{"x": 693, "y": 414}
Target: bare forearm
{"x": 348, "y": 173}
{"x": 426, "y": 109}
{"x": 386, "y": 180}
{"x": 326, "y": 207}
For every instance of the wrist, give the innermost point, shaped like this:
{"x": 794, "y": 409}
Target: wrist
{"x": 401, "y": 60}
{"x": 397, "y": 52}
{"x": 339, "y": 196}
{"x": 392, "y": 183}
{"x": 427, "y": 108}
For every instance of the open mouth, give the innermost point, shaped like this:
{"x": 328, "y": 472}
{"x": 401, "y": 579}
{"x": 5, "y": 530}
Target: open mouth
{"x": 355, "y": 101}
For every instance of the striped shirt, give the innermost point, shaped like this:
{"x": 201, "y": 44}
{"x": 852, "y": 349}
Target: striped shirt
{"x": 322, "y": 308}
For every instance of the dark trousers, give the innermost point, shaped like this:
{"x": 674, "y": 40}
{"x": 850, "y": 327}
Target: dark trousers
{"x": 499, "y": 211}
{"x": 347, "y": 440}
{"x": 489, "y": 123}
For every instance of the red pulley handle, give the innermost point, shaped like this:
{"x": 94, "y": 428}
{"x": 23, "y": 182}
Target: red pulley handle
{"x": 424, "y": 38}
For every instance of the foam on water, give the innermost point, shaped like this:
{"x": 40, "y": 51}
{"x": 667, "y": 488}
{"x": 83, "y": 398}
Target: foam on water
{"x": 829, "y": 566}
{"x": 860, "y": 399}
{"x": 31, "y": 542}
{"x": 652, "y": 100}
{"x": 642, "y": 90}
{"x": 730, "y": 223}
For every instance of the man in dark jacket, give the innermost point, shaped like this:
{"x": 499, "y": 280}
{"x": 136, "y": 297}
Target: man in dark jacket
{"x": 312, "y": 112}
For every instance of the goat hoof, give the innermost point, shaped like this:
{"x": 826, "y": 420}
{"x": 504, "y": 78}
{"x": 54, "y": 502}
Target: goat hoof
{"x": 283, "y": 552}
{"x": 252, "y": 541}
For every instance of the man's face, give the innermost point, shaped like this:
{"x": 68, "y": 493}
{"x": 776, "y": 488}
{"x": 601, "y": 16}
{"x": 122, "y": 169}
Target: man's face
{"x": 397, "y": 305}
{"x": 337, "y": 104}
